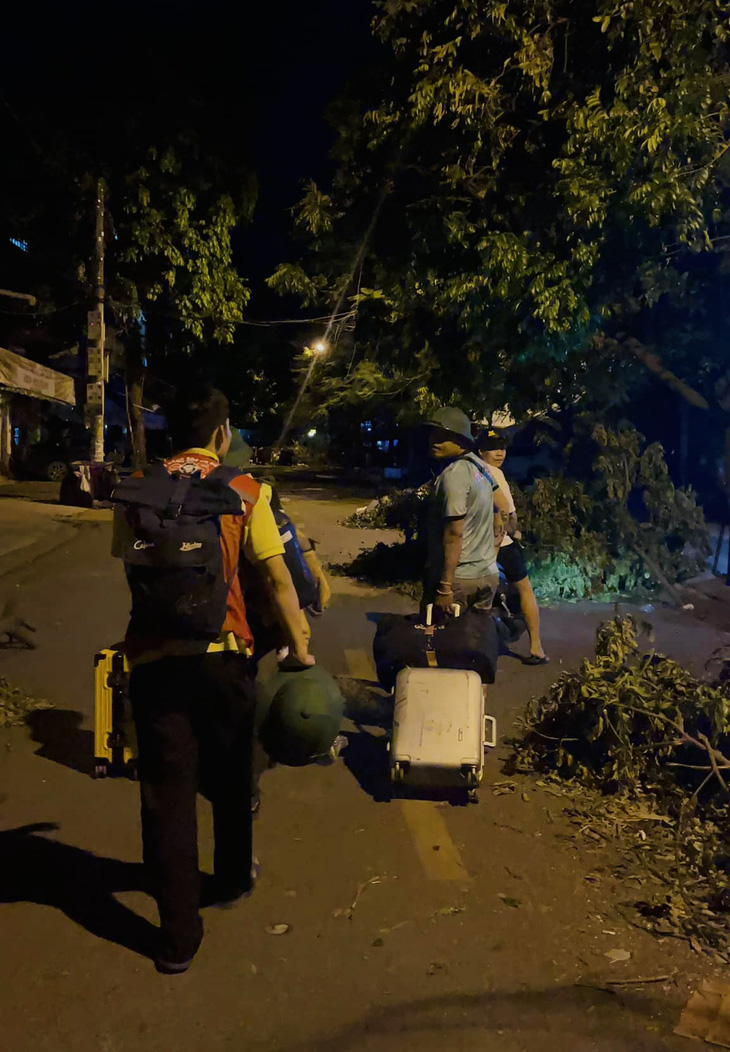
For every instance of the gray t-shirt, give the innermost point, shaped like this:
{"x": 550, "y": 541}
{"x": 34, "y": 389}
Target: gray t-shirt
{"x": 465, "y": 490}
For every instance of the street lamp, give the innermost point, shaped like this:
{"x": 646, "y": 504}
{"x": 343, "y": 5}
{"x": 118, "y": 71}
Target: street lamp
{"x": 317, "y": 350}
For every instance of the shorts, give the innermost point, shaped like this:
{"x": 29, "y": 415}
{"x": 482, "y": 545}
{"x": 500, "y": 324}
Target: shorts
{"x": 511, "y": 561}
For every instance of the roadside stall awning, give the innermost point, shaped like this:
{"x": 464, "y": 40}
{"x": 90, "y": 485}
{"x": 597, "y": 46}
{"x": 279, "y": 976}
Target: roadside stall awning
{"x": 29, "y": 378}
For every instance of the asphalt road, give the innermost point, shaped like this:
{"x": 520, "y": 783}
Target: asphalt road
{"x": 412, "y": 924}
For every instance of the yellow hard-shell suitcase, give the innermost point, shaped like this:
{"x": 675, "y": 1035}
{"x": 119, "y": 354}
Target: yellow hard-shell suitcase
{"x": 115, "y": 745}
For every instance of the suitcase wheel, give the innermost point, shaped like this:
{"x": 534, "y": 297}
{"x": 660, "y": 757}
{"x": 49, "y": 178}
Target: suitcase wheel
{"x": 398, "y": 772}
{"x": 101, "y": 769}
{"x": 472, "y": 779}
{"x": 473, "y": 796}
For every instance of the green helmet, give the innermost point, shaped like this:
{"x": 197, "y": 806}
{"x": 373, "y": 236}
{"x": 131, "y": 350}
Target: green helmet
{"x": 299, "y": 715}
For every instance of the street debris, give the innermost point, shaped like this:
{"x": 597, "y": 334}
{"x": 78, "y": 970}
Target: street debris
{"x": 508, "y": 900}
{"x": 350, "y": 910}
{"x": 707, "y": 1015}
{"x": 503, "y": 788}
{"x": 617, "y": 956}
{"x": 16, "y": 630}
{"x": 16, "y": 706}
{"x": 547, "y": 788}
{"x": 278, "y": 929}
{"x": 395, "y": 927}
{"x": 639, "y": 980}
{"x": 633, "y": 744}
{"x": 609, "y": 984}
{"x": 448, "y": 911}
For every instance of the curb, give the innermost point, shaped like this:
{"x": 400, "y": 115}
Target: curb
{"x": 22, "y": 557}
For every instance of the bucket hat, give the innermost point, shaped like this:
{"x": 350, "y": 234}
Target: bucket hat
{"x": 450, "y": 418}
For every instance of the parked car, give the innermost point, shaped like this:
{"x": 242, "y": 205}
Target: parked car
{"x": 49, "y": 459}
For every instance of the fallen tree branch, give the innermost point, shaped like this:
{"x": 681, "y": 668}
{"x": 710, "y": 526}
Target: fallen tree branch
{"x": 655, "y": 365}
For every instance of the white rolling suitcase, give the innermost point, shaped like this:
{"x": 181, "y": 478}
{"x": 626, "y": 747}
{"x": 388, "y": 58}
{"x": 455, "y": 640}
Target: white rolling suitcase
{"x": 440, "y": 729}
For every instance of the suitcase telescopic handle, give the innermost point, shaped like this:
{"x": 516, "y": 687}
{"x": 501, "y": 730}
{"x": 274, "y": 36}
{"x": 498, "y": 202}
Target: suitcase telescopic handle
{"x": 429, "y": 613}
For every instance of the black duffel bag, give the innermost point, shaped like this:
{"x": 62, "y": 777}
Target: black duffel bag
{"x": 469, "y": 642}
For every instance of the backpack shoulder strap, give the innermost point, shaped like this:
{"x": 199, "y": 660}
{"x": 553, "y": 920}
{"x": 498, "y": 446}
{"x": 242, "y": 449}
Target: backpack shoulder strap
{"x": 482, "y": 468}
{"x": 246, "y": 487}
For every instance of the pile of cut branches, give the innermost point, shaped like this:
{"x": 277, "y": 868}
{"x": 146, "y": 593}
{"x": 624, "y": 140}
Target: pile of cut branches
{"x": 653, "y": 743}
{"x": 402, "y": 509}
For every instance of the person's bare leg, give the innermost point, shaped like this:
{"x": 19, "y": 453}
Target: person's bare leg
{"x": 531, "y": 611}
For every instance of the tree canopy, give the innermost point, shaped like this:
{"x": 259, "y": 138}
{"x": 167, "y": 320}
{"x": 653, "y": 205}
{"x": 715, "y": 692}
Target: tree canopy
{"x": 525, "y": 176}
{"x": 174, "y": 163}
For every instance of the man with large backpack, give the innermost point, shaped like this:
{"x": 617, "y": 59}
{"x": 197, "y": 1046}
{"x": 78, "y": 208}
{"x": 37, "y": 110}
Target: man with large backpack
{"x": 182, "y": 528}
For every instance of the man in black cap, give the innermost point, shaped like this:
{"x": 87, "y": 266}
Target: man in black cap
{"x": 492, "y": 446}
{"x": 462, "y": 558}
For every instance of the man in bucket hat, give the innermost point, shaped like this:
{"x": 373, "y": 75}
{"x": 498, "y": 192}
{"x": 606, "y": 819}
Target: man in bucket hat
{"x": 462, "y": 558}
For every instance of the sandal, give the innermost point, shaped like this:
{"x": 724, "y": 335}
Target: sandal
{"x": 535, "y": 659}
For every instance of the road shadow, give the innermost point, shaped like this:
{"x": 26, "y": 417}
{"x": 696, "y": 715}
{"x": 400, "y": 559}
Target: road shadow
{"x": 62, "y": 739}
{"x": 578, "y": 1018}
{"x": 366, "y": 758}
{"x": 36, "y": 868}
{"x": 368, "y": 761}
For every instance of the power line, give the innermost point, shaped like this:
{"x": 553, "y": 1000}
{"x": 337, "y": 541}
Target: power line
{"x": 39, "y": 313}
{"x": 270, "y": 323}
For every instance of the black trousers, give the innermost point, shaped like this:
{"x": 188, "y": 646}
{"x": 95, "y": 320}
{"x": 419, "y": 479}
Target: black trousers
{"x": 194, "y": 717}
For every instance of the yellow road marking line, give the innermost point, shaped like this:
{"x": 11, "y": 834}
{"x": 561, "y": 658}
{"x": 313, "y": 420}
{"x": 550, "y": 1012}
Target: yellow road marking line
{"x": 438, "y": 853}
{"x": 360, "y": 665}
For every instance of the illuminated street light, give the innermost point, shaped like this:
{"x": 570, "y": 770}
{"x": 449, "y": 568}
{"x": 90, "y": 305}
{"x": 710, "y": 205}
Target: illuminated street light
{"x": 320, "y": 347}
{"x": 312, "y": 432}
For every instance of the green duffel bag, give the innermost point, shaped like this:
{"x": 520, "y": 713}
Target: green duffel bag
{"x": 298, "y": 715}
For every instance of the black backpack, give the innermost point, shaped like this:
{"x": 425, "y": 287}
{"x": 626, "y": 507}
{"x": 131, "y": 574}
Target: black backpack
{"x": 173, "y": 557}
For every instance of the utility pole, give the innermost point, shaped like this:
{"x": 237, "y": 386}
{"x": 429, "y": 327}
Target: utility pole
{"x": 96, "y": 366}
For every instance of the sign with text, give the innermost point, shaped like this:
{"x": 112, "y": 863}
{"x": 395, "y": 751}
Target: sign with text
{"x": 26, "y": 377}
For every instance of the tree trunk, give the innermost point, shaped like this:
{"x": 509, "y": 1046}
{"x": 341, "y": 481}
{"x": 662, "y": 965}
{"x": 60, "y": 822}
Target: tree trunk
{"x": 683, "y": 442}
{"x": 726, "y": 461}
{"x": 135, "y": 376}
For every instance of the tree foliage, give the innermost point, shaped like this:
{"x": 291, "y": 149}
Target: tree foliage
{"x": 178, "y": 181}
{"x": 540, "y": 172}
{"x": 624, "y": 530}
{"x": 174, "y": 249}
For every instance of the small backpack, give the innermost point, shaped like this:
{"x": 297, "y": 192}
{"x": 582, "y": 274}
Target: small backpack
{"x": 173, "y": 558}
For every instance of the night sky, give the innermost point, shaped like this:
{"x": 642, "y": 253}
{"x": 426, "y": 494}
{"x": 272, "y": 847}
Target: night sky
{"x": 274, "y": 66}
